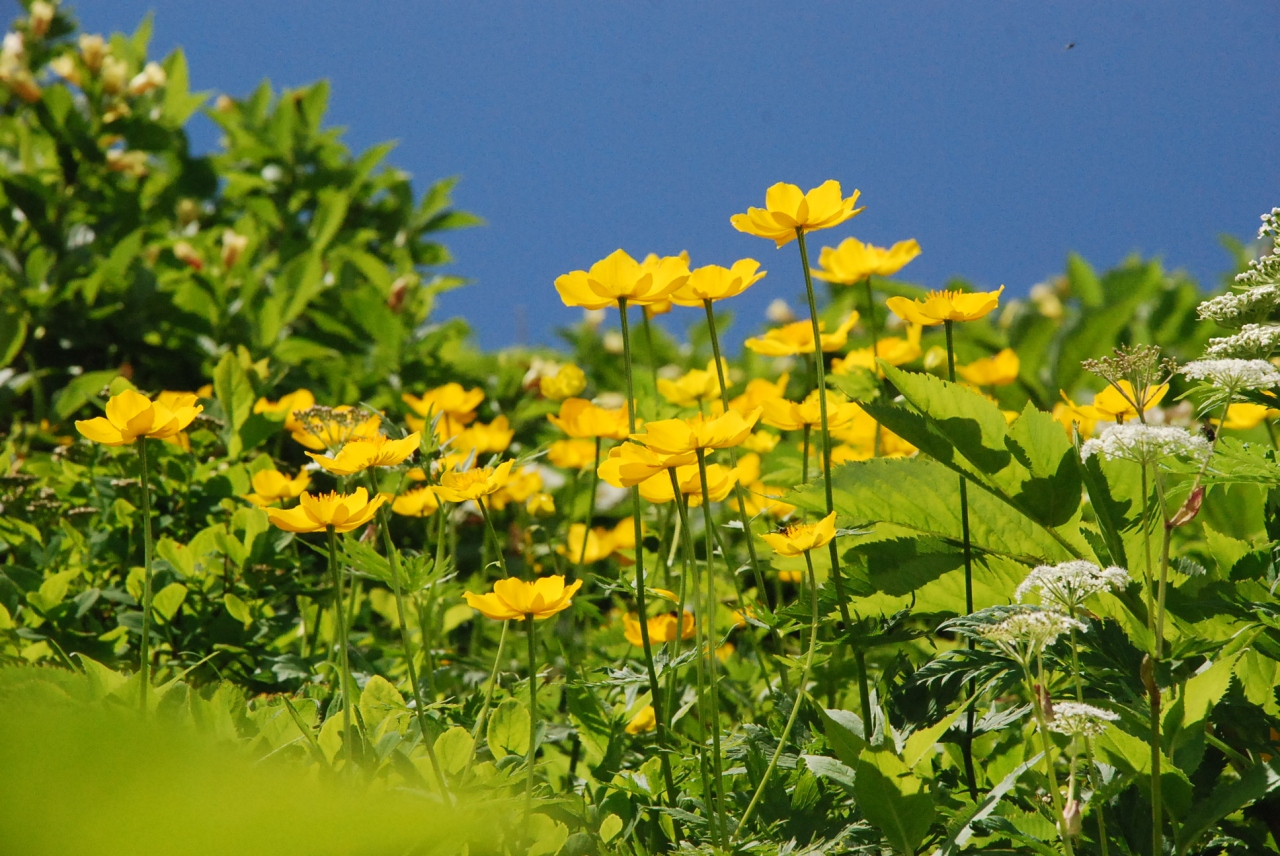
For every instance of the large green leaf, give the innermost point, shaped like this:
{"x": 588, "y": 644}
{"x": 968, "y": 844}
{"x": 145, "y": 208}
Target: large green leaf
{"x": 1051, "y": 492}
{"x": 971, "y": 423}
{"x": 894, "y": 800}
{"x": 1228, "y": 798}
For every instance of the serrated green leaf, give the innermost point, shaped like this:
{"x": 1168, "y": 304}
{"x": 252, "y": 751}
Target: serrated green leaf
{"x": 893, "y": 800}
{"x": 508, "y": 729}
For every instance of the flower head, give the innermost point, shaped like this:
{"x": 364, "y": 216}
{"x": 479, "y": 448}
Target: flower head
{"x": 541, "y": 505}
{"x": 131, "y": 415}
{"x": 645, "y": 720}
{"x": 272, "y": 486}
{"x": 713, "y": 282}
{"x": 620, "y": 277}
{"x": 514, "y": 598}
{"x": 585, "y": 546}
{"x": 662, "y": 628}
{"x": 853, "y": 260}
{"x": 1253, "y": 341}
{"x": 798, "y": 539}
{"x": 519, "y": 486}
{"x": 482, "y": 438}
{"x": 583, "y": 420}
{"x": 788, "y": 209}
{"x": 1234, "y": 374}
{"x": 1000, "y": 369}
{"x": 692, "y": 387}
{"x": 1117, "y": 402}
{"x": 629, "y": 464}
{"x": 681, "y": 436}
{"x": 1146, "y": 444}
{"x": 567, "y": 382}
{"x": 1241, "y": 308}
{"x": 343, "y": 512}
{"x": 451, "y": 403}
{"x": 572, "y": 454}
{"x": 1080, "y": 720}
{"x": 366, "y": 453}
{"x": 796, "y": 338}
{"x": 474, "y": 483}
{"x": 940, "y": 306}
{"x": 1026, "y": 632}
{"x": 1066, "y": 585}
{"x": 419, "y": 502}
{"x": 758, "y": 391}
{"x": 1243, "y": 415}
{"x": 795, "y": 415}
{"x": 720, "y": 483}
{"x": 893, "y": 350}
{"x": 289, "y": 406}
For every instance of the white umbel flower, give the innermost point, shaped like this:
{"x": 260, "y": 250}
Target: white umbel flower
{"x": 1253, "y": 341}
{"x": 1076, "y": 719}
{"x": 1146, "y": 444}
{"x": 1237, "y": 308}
{"x": 1234, "y": 374}
{"x": 1067, "y": 584}
{"x": 1023, "y": 635}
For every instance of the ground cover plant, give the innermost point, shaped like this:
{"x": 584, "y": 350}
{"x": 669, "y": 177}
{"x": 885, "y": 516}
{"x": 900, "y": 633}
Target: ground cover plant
{"x": 900, "y": 571}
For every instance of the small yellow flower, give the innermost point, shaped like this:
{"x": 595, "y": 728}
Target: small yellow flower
{"x": 694, "y": 386}
{"x": 854, "y": 261}
{"x": 317, "y": 513}
{"x": 451, "y": 402}
{"x": 758, "y": 391}
{"x": 519, "y": 486}
{"x": 894, "y": 350}
{"x": 793, "y": 577}
{"x": 797, "y": 338}
{"x": 713, "y": 282}
{"x": 1117, "y": 405}
{"x": 567, "y": 382}
{"x": 131, "y": 415}
{"x": 483, "y": 438}
{"x": 858, "y": 440}
{"x": 644, "y": 721}
{"x": 940, "y": 306}
{"x": 662, "y": 628}
{"x": 583, "y": 420}
{"x": 761, "y": 441}
{"x": 572, "y": 454}
{"x": 288, "y": 406}
{"x": 1000, "y": 369}
{"x": 681, "y": 436}
{"x": 1244, "y": 415}
{"x": 787, "y": 209}
{"x": 272, "y": 486}
{"x": 363, "y": 454}
{"x": 619, "y": 276}
{"x": 474, "y": 483}
{"x": 720, "y": 482}
{"x": 630, "y": 464}
{"x": 761, "y": 498}
{"x": 800, "y": 538}
{"x": 599, "y": 544}
{"x": 1068, "y": 414}
{"x": 419, "y": 502}
{"x": 541, "y": 505}
{"x": 513, "y": 598}
{"x": 795, "y": 415}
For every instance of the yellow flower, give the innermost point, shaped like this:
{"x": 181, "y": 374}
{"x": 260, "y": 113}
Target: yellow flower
{"x": 131, "y": 415}
{"x": 681, "y": 436}
{"x": 853, "y": 260}
{"x": 720, "y": 482}
{"x": 795, "y": 415}
{"x": 1001, "y": 369}
{"x": 272, "y": 486}
{"x": 790, "y": 577}
{"x": 662, "y": 628}
{"x": 758, "y": 391}
{"x": 800, "y": 538}
{"x": 860, "y": 436}
{"x": 541, "y": 505}
{"x": 473, "y": 483}
{"x": 760, "y": 441}
{"x": 761, "y": 498}
{"x": 787, "y": 209}
{"x": 513, "y": 598}
{"x": 940, "y": 306}
{"x": 317, "y": 513}
{"x": 713, "y": 282}
{"x": 644, "y": 721}
{"x": 343, "y": 425}
{"x": 1116, "y": 405}
{"x": 618, "y": 276}
{"x": 288, "y": 406}
{"x": 658, "y": 307}
{"x": 363, "y": 454}
{"x": 572, "y": 454}
{"x": 450, "y": 400}
{"x": 748, "y": 469}
{"x": 692, "y": 387}
{"x": 630, "y": 464}
{"x": 567, "y": 382}
{"x": 599, "y": 544}
{"x": 1245, "y": 415}
{"x": 1068, "y": 414}
{"x": 419, "y": 502}
{"x": 894, "y": 350}
{"x": 797, "y": 338}
{"x": 519, "y": 486}
{"x": 583, "y": 420}
{"x": 482, "y": 438}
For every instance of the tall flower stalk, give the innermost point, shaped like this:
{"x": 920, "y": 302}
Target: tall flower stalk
{"x": 144, "y": 649}
{"x": 708, "y": 621}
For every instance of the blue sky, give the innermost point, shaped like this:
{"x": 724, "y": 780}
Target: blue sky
{"x": 578, "y": 128}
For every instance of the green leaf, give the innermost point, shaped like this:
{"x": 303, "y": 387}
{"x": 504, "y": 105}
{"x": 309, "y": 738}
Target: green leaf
{"x": 168, "y": 601}
{"x": 234, "y": 392}
{"x": 380, "y": 701}
{"x": 13, "y": 333}
{"x": 76, "y": 394}
{"x": 329, "y": 215}
{"x": 845, "y": 733}
{"x": 902, "y": 565}
{"x": 971, "y": 423}
{"x": 508, "y": 730}
{"x": 961, "y": 828}
{"x": 238, "y": 609}
{"x": 830, "y": 768}
{"x": 1084, "y": 282}
{"x": 1203, "y": 690}
{"x": 893, "y": 800}
{"x": 1052, "y": 492}
{"x": 1227, "y": 798}
{"x": 453, "y": 749}
{"x": 1110, "y": 513}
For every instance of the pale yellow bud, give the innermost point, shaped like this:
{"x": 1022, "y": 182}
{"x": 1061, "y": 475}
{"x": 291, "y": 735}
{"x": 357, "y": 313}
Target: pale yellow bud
{"x": 65, "y": 67}
{"x": 151, "y": 77}
{"x": 114, "y": 73}
{"x": 41, "y": 17}
{"x": 93, "y": 49}
{"x": 233, "y": 246}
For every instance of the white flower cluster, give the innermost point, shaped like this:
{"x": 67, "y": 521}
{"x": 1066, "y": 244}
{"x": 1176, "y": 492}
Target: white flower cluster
{"x": 1067, "y": 584}
{"x": 1253, "y": 341}
{"x": 1237, "y": 308}
{"x": 1234, "y": 374}
{"x": 1085, "y": 720}
{"x": 1024, "y": 634}
{"x": 1146, "y": 444}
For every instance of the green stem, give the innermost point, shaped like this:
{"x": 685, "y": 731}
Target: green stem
{"x": 873, "y": 325}
{"x": 655, "y": 689}
{"x": 709, "y": 618}
{"x": 145, "y": 648}
{"x": 344, "y": 664}
{"x": 820, "y": 371}
{"x": 804, "y": 459}
{"x": 493, "y": 535}
{"x": 653, "y": 358}
{"x": 533, "y": 723}
{"x": 488, "y": 700}
{"x": 591, "y": 504}
{"x": 1050, "y": 754}
{"x": 800, "y": 694}
{"x": 967, "y": 746}
{"x": 393, "y": 558}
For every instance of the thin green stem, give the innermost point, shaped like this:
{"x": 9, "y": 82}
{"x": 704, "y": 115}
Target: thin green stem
{"x": 145, "y": 646}
{"x": 800, "y": 694}
{"x": 653, "y": 357}
{"x": 493, "y": 535}
{"x": 1050, "y": 754}
{"x": 488, "y": 700}
{"x": 530, "y": 626}
{"x": 709, "y": 618}
{"x": 642, "y": 611}
{"x": 804, "y": 457}
{"x": 344, "y": 663}
{"x": 591, "y": 504}
{"x": 873, "y": 325}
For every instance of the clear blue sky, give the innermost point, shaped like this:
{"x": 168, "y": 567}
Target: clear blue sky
{"x": 581, "y": 127}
